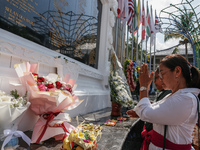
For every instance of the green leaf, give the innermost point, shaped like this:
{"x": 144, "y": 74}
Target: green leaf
{"x": 87, "y": 136}
{"x": 14, "y": 93}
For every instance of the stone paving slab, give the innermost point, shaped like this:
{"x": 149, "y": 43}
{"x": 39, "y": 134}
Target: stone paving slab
{"x": 112, "y": 137}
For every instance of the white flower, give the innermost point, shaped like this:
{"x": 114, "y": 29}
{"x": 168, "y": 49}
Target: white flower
{"x": 5, "y": 98}
{"x": 114, "y": 78}
{"x": 2, "y": 93}
{"x": 19, "y": 102}
{"x": 119, "y": 87}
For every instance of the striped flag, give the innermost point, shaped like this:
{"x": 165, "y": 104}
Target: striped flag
{"x": 131, "y": 13}
{"x": 143, "y": 21}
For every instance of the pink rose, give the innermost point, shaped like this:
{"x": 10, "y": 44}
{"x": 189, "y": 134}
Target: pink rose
{"x": 42, "y": 87}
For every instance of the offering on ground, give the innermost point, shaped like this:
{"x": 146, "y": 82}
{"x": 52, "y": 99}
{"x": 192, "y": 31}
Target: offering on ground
{"x": 83, "y": 137}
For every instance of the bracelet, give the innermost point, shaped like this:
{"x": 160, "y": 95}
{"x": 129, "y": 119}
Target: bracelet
{"x": 143, "y": 88}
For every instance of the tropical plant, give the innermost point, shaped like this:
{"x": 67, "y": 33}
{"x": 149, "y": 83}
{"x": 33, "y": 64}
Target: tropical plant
{"x": 175, "y": 51}
{"x": 182, "y": 25}
{"x": 135, "y": 49}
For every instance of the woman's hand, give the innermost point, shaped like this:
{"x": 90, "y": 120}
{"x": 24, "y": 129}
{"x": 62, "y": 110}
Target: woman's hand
{"x": 144, "y": 78}
{"x": 132, "y": 113}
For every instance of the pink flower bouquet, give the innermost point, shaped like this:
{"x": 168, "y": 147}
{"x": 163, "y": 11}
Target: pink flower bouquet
{"x": 49, "y": 97}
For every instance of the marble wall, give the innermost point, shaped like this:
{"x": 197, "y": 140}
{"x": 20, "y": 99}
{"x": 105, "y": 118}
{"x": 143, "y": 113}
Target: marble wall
{"x": 92, "y": 83}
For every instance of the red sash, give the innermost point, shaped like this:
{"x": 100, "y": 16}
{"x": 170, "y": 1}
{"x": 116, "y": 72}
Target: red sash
{"x": 157, "y": 139}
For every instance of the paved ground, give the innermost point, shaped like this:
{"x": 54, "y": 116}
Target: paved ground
{"x": 124, "y": 136}
{"x": 112, "y": 138}
{"x": 133, "y": 140}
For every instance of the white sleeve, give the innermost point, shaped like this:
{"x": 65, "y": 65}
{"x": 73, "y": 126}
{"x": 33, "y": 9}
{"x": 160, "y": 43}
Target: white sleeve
{"x": 172, "y": 110}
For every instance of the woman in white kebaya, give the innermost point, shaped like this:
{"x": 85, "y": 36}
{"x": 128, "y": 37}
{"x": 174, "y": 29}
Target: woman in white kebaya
{"x": 175, "y": 116}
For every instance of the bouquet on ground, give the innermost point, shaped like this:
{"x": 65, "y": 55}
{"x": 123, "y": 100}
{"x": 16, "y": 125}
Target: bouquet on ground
{"x": 119, "y": 88}
{"x": 49, "y": 96}
{"x": 12, "y": 107}
{"x": 129, "y": 68}
{"x": 84, "y": 137}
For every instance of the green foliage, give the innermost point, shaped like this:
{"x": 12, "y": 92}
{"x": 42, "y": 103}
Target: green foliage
{"x": 126, "y": 62}
{"x": 87, "y": 136}
{"x": 175, "y": 51}
{"x": 14, "y": 94}
{"x": 119, "y": 90}
{"x": 113, "y": 65}
{"x": 134, "y": 49}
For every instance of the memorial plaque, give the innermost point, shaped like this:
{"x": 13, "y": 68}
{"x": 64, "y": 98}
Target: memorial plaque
{"x": 70, "y": 27}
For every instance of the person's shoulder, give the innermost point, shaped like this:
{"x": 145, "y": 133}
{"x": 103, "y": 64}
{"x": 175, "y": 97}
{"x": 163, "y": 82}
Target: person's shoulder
{"x": 187, "y": 94}
{"x": 190, "y": 91}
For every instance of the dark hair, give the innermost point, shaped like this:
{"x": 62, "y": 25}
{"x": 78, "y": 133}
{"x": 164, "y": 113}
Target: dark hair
{"x": 190, "y": 73}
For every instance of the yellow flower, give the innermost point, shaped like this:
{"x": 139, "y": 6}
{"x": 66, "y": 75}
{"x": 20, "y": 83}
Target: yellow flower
{"x": 66, "y": 144}
{"x": 81, "y": 135}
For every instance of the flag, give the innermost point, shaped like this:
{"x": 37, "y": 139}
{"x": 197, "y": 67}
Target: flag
{"x": 131, "y": 13}
{"x": 138, "y": 17}
{"x": 143, "y": 21}
{"x": 139, "y": 14}
{"x": 157, "y": 24}
{"x": 123, "y": 10}
{"x": 120, "y": 7}
{"x": 152, "y": 28}
{"x": 148, "y": 27}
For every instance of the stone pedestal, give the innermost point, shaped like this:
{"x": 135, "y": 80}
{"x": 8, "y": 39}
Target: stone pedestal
{"x": 116, "y": 109}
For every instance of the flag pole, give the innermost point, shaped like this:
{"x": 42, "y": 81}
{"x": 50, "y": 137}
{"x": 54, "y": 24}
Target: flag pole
{"x": 141, "y": 53}
{"x": 146, "y": 50}
{"x": 150, "y": 59}
{"x": 133, "y": 27}
{"x": 154, "y": 54}
{"x": 150, "y": 41}
{"x": 138, "y": 24}
{"x": 127, "y": 43}
{"x": 143, "y": 30}
{"x": 137, "y": 49}
{"x": 146, "y": 31}
{"x": 154, "y": 57}
{"x": 116, "y": 35}
{"x": 122, "y": 46}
